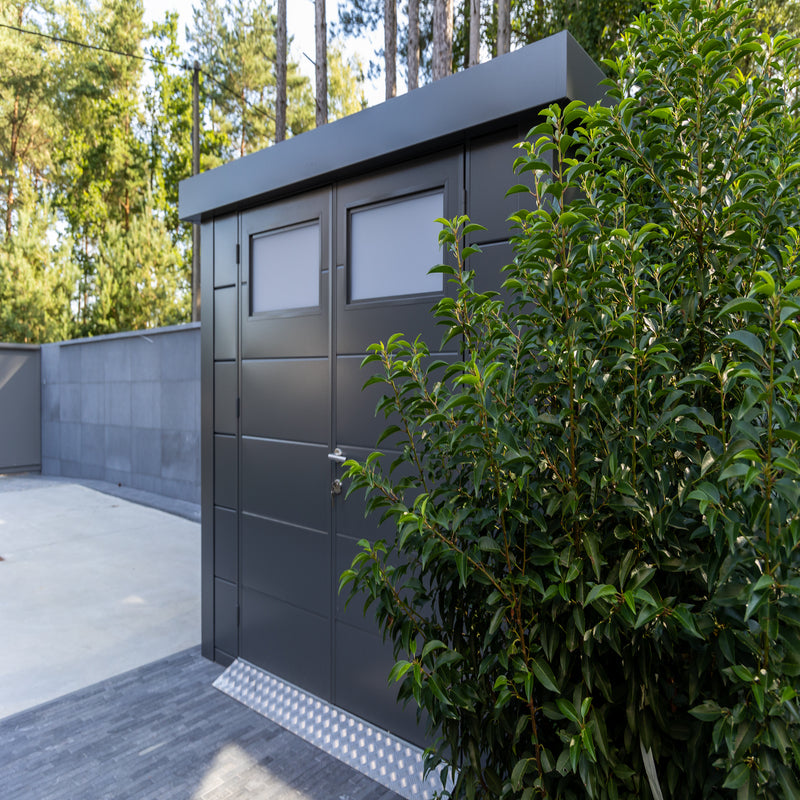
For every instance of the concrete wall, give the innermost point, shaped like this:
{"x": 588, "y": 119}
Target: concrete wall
{"x": 20, "y": 408}
{"x": 125, "y": 408}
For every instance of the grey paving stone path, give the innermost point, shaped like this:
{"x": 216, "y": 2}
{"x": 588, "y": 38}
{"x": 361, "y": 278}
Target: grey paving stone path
{"x": 162, "y": 732}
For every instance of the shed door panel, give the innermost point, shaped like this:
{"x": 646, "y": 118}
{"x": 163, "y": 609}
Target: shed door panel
{"x": 286, "y": 398}
{"x": 300, "y": 385}
{"x": 285, "y": 547}
{"x": 385, "y": 222}
{"x": 284, "y": 308}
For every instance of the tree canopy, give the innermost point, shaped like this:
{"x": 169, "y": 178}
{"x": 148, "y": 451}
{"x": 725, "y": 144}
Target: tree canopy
{"x": 95, "y": 135}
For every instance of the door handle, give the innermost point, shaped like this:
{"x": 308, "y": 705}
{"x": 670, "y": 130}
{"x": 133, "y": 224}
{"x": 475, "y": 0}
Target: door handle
{"x": 337, "y": 456}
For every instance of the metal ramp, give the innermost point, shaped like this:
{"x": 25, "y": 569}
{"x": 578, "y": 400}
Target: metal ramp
{"x": 388, "y": 760}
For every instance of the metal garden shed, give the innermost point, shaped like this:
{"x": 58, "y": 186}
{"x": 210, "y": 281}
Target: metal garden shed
{"x": 311, "y": 250}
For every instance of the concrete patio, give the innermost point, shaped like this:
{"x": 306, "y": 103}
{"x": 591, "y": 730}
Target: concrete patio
{"x": 91, "y": 585}
{"x": 103, "y": 692}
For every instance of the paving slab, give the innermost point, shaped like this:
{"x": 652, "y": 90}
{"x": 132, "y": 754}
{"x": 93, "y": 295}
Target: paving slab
{"x": 161, "y": 732}
{"x": 91, "y": 585}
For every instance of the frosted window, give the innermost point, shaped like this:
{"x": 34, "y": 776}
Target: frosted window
{"x": 284, "y": 269}
{"x": 393, "y": 246}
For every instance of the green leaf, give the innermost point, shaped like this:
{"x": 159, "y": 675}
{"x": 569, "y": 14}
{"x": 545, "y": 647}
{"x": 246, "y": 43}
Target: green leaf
{"x": 568, "y": 710}
{"x": 518, "y": 188}
{"x": 758, "y": 694}
{"x": 686, "y": 620}
{"x": 763, "y": 582}
{"x": 737, "y": 777}
{"x": 433, "y": 684}
{"x": 590, "y": 542}
{"x": 741, "y": 304}
{"x": 399, "y": 670}
{"x": 647, "y": 614}
{"x": 754, "y": 603}
{"x": 599, "y": 591}
{"x": 462, "y": 565}
{"x": 544, "y": 675}
{"x": 518, "y": 773}
{"x": 430, "y": 646}
{"x": 707, "y": 711}
{"x": 489, "y": 545}
{"x": 748, "y": 340}
{"x": 767, "y": 285}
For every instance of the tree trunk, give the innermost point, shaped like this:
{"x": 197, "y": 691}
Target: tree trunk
{"x": 322, "y": 62}
{"x": 390, "y": 45}
{"x": 474, "y": 32}
{"x": 280, "y": 74}
{"x": 12, "y": 173}
{"x": 503, "y": 26}
{"x": 442, "y": 38}
{"x": 413, "y": 44}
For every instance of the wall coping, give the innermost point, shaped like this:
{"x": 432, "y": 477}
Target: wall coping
{"x": 21, "y": 346}
{"x": 142, "y": 334}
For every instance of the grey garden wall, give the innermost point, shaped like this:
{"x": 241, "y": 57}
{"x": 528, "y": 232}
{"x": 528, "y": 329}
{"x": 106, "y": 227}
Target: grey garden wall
{"x": 20, "y": 403}
{"x": 125, "y": 408}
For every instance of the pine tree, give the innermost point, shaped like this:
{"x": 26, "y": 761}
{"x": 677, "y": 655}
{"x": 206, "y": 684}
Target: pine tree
{"x": 27, "y": 84}
{"x": 474, "y": 32}
{"x": 345, "y": 83}
{"x": 390, "y": 46}
{"x": 503, "y": 26}
{"x": 321, "y": 64}
{"x": 37, "y": 279}
{"x": 141, "y": 279}
{"x": 412, "y": 51}
{"x": 442, "y": 38}
{"x": 281, "y": 55}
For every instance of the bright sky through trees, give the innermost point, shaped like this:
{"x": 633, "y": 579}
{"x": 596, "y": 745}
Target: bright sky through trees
{"x": 300, "y": 24}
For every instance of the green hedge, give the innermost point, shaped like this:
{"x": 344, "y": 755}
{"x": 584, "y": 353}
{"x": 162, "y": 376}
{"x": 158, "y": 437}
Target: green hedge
{"x": 594, "y": 590}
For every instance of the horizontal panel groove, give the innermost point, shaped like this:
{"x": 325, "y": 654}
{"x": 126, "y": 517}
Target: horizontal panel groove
{"x": 277, "y": 599}
{"x": 304, "y": 359}
{"x": 489, "y": 242}
{"x": 232, "y": 584}
{"x": 321, "y": 445}
{"x": 225, "y": 508}
{"x": 225, "y": 285}
{"x": 341, "y": 622}
{"x": 395, "y": 301}
{"x": 224, "y": 360}
{"x": 433, "y": 354}
{"x": 253, "y": 515}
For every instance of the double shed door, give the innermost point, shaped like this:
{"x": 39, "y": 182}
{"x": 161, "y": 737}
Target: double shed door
{"x": 324, "y": 275}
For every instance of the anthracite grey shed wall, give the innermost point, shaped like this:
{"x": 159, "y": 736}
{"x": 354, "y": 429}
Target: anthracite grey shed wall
{"x": 281, "y": 390}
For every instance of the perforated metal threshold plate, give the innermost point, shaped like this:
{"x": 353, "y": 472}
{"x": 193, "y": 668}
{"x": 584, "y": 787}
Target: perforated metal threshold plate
{"x": 385, "y": 758}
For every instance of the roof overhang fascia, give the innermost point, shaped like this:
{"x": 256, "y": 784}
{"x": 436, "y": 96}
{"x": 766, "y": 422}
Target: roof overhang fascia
{"x": 555, "y": 69}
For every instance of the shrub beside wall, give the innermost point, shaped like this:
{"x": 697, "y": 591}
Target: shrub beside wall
{"x": 595, "y": 586}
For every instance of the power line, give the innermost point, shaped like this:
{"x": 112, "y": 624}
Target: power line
{"x": 151, "y": 59}
{"x": 92, "y": 46}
